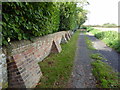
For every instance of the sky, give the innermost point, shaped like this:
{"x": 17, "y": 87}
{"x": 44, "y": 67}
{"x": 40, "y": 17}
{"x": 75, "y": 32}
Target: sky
{"x": 102, "y": 11}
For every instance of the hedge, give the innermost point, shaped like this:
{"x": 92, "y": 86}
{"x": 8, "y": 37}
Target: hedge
{"x": 25, "y": 20}
{"x": 68, "y": 16}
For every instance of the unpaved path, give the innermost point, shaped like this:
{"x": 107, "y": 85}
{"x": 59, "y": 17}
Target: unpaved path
{"x": 82, "y": 76}
{"x": 82, "y": 71}
{"x": 113, "y": 58}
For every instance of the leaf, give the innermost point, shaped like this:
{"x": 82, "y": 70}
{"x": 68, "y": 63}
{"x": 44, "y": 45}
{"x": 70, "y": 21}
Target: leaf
{"x": 16, "y": 19}
{"x": 19, "y": 36}
{"x": 24, "y": 37}
{"x": 17, "y": 30}
{"x": 5, "y": 42}
{"x": 5, "y": 16}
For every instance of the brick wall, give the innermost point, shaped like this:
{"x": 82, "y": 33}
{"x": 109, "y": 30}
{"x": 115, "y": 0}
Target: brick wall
{"x": 23, "y": 57}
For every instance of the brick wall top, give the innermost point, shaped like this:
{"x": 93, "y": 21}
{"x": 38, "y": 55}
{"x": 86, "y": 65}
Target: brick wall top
{"x": 20, "y": 46}
{"x": 23, "y": 57}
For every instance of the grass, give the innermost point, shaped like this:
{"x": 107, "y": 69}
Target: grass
{"x": 97, "y": 56}
{"x": 89, "y": 43}
{"x": 57, "y": 68}
{"x": 105, "y": 75}
{"x": 111, "y": 38}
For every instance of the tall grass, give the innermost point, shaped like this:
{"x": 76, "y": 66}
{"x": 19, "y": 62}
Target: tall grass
{"x": 111, "y": 38}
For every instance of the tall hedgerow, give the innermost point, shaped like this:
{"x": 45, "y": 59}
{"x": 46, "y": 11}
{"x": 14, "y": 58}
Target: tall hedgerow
{"x": 67, "y": 16}
{"x": 23, "y": 20}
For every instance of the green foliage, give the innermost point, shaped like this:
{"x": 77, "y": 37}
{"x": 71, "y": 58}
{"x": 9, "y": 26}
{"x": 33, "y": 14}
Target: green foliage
{"x": 89, "y": 43}
{"x": 111, "y": 38}
{"x": 109, "y": 25}
{"x": 95, "y": 31}
{"x": 67, "y": 16}
{"x": 97, "y": 56}
{"x": 57, "y": 68}
{"x": 89, "y": 29}
{"x": 83, "y": 27}
{"x": 23, "y": 20}
{"x": 105, "y": 75}
{"x": 81, "y": 16}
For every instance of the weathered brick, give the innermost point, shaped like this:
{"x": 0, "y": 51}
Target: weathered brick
{"x": 23, "y": 68}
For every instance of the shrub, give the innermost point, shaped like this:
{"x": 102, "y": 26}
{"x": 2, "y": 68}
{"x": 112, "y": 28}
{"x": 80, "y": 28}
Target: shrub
{"x": 23, "y": 20}
{"x": 89, "y": 29}
{"x": 111, "y": 38}
{"x": 67, "y": 16}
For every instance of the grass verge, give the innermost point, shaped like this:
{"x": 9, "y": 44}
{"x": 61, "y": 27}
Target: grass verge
{"x": 105, "y": 75}
{"x": 57, "y": 68}
{"x": 97, "y": 56}
{"x": 111, "y": 38}
{"x": 89, "y": 43}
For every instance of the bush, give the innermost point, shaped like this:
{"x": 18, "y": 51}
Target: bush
{"x": 111, "y": 38}
{"x": 89, "y": 29}
{"x": 23, "y": 20}
{"x": 83, "y": 27}
{"x": 67, "y": 16}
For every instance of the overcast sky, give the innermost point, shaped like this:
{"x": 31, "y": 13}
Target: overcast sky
{"x": 102, "y": 11}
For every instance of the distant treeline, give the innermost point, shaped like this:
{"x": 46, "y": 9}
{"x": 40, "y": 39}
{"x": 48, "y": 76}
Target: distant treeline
{"x": 106, "y": 25}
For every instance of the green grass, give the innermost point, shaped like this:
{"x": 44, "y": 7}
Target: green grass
{"x": 89, "y": 43}
{"x": 97, "y": 56}
{"x": 111, "y": 38}
{"x": 95, "y": 31}
{"x": 105, "y": 75}
{"x": 57, "y": 68}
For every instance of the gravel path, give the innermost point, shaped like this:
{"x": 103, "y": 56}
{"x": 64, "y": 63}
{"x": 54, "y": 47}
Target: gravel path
{"x": 82, "y": 76}
{"x": 113, "y": 58}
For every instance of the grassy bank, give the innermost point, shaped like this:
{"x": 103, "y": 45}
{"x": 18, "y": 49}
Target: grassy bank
{"x": 111, "y": 38}
{"x": 106, "y": 77}
{"x": 57, "y": 68}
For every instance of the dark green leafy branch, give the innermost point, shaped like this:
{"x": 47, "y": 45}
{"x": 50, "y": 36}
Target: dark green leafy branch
{"x": 25, "y": 20}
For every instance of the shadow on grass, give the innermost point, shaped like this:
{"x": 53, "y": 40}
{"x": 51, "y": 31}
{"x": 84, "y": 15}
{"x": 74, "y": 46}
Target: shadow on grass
{"x": 57, "y": 68}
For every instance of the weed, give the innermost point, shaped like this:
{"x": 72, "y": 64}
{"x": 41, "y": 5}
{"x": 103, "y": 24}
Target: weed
{"x": 97, "y": 56}
{"x": 89, "y": 43}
